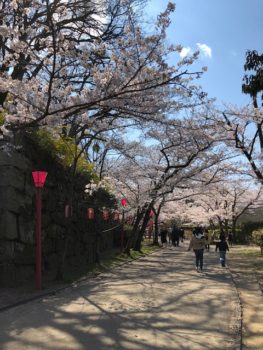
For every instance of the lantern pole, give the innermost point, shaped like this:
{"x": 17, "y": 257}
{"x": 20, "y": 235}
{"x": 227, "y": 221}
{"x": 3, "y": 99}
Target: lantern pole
{"x": 39, "y": 180}
{"x": 124, "y": 202}
{"x": 38, "y": 238}
{"x": 122, "y": 231}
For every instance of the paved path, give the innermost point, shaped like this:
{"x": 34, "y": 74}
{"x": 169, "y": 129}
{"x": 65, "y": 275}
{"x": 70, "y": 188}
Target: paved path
{"x": 156, "y": 303}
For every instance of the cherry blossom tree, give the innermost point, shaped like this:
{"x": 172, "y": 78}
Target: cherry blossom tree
{"x": 89, "y": 72}
{"x": 179, "y": 152}
{"x": 241, "y": 127}
{"x": 220, "y": 204}
{"x": 75, "y": 62}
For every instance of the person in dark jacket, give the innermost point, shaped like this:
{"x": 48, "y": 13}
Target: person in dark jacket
{"x": 163, "y": 234}
{"x": 175, "y": 236}
{"x": 222, "y": 235}
{"x": 230, "y": 239}
{"x": 207, "y": 240}
{"x": 222, "y": 246}
{"x": 182, "y": 234}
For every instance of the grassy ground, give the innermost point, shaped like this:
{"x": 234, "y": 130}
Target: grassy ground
{"x": 120, "y": 258}
{"x": 248, "y": 257}
{"x": 247, "y": 260}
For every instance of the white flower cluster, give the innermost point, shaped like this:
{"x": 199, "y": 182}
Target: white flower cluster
{"x": 93, "y": 186}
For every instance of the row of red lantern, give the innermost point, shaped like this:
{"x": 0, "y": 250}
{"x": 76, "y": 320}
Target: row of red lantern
{"x": 105, "y": 215}
{"x": 91, "y": 213}
{"x": 39, "y": 178}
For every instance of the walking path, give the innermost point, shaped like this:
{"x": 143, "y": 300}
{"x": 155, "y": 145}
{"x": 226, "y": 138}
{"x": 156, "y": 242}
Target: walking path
{"x": 158, "y": 302}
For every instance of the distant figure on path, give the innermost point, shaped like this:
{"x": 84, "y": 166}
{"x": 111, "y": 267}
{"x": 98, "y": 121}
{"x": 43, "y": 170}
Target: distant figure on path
{"x": 197, "y": 243}
{"x": 175, "y": 236}
{"x": 182, "y": 234}
{"x": 222, "y": 246}
{"x": 169, "y": 230}
{"x": 207, "y": 240}
{"x": 230, "y": 239}
{"x": 163, "y": 234}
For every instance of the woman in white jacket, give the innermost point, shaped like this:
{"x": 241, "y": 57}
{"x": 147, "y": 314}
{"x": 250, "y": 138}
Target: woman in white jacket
{"x": 197, "y": 243}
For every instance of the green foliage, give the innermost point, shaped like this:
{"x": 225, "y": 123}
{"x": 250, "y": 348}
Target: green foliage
{"x": 2, "y": 118}
{"x": 103, "y": 198}
{"x": 121, "y": 258}
{"x": 214, "y": 234}
{"x": 243, "y": 232}
{"x": 253, "y": 83}
{"x": 257, "y": 237}
{"x": 128, "y": 229}
{"x": 148, "y": 248}
{"x": 246, "y": 229}
{"x": 64, "y": 150}
{"x": 241, "y": 236}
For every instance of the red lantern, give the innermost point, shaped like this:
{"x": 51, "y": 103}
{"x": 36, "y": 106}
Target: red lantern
{"x": 105, "y": 215}
{"x": 129, "y": 220}
{"x": 39, "y": 178}
{"x": 68, "y": 211}
{"x": 90, "y": 213}
{"x": 124, "y": 202}
{"x": 115, "y": 216}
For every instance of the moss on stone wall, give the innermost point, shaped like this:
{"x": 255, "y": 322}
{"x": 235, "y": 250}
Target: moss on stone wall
{"x": 17, "y": 211}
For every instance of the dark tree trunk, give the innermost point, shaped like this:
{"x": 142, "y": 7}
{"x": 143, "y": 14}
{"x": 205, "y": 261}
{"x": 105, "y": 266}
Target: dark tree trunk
{"x": 156, "y": 230}
{"x": 138, "y": 241}
{"x": 234, "y": 221}
{"x": 134, "y": 232}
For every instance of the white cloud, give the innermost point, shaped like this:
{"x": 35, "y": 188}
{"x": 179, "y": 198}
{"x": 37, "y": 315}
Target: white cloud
{"x": 205, "y": 50}
{"x": 185, "y": 51}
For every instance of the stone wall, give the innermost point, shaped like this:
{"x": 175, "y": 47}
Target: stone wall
{"x": 17, "y": 220}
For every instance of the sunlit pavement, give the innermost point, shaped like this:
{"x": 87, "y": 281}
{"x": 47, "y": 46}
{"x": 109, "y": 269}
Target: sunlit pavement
{"x": 156, "y": 303}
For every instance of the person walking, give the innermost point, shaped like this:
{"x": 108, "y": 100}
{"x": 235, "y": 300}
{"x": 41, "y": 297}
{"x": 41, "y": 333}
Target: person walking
{"x": 223, "y": 247}
{"x": 163, "y": 234}
{"x": 207, "y": 240}
{"x": 169, "y": 230}
{"x": 230, "y": 239}
{"x": 175, "y": 236}
{"x": 197, "y": 243}
{"x": 182, "y": 234}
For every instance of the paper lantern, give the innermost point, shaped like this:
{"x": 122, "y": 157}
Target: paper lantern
{"x": 90, "y": 213}
{"x": 68, "y": 211}
{"x": 105, "y": 215}
{"x": 39, "y": 178}
{"x": 115, "y": 216}
{"x": 124, "y": 202}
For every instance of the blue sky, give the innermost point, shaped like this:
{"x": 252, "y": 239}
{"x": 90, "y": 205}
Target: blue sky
{"x": 226, "y": 29}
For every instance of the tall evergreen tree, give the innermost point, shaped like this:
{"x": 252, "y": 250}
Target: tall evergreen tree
{"x": 253, "y": 83}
